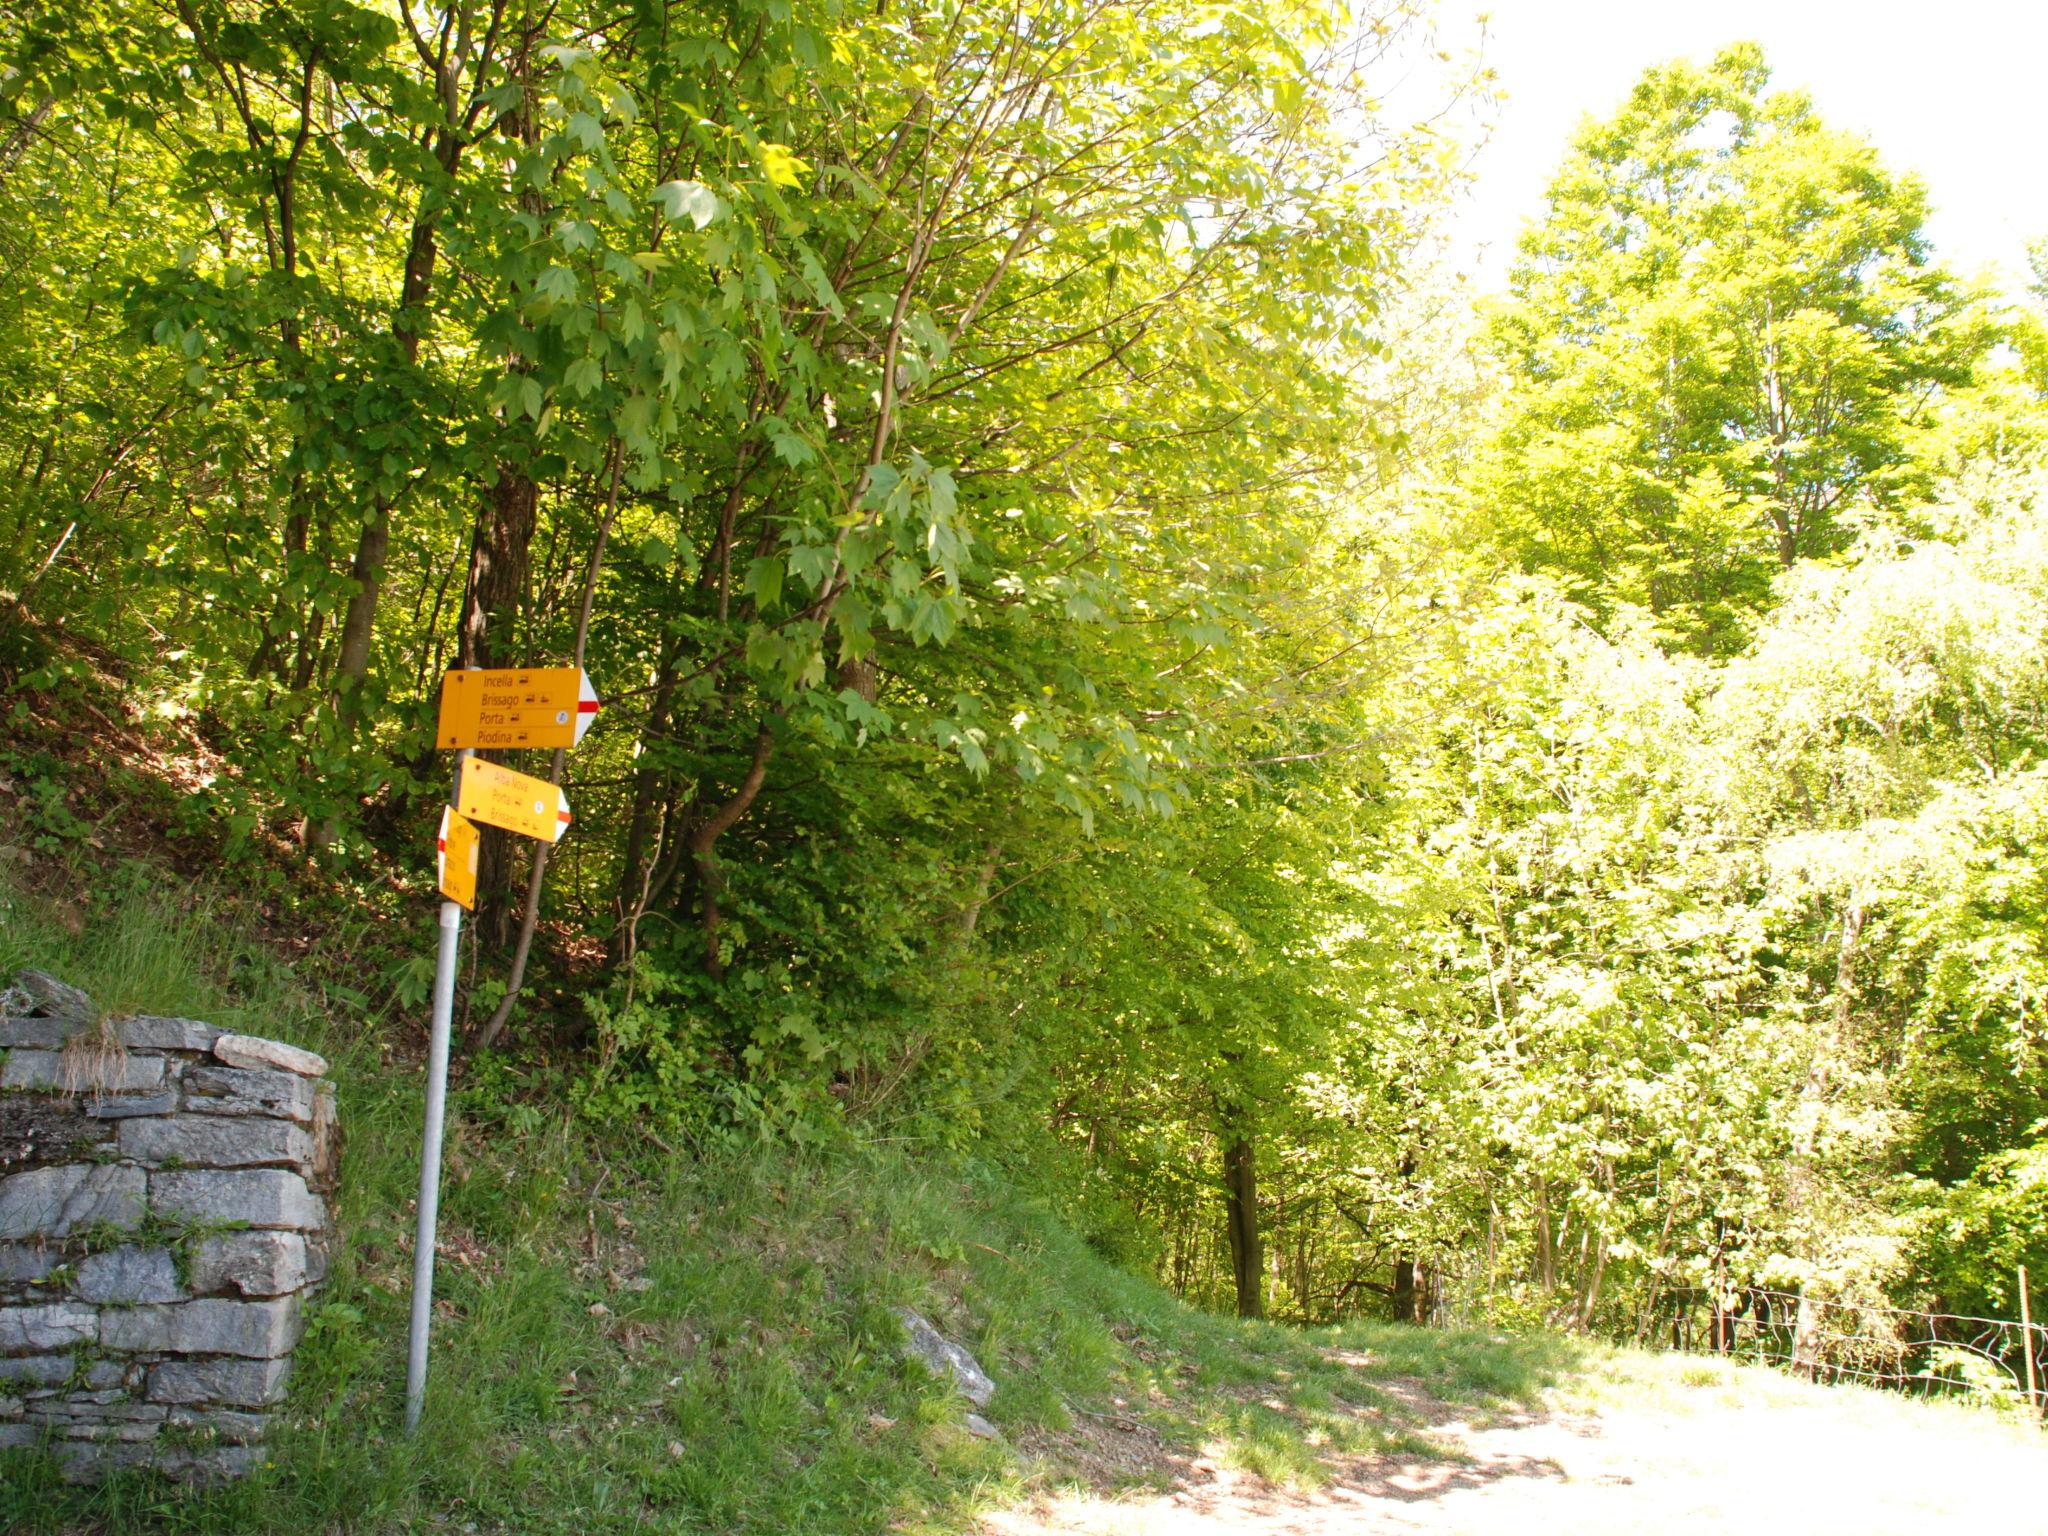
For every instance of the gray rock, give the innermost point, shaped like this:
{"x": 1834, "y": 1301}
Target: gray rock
{"x": 257, "y": 1330}
{"x": 54, "y": 1202}
{"x": 37, "y": 1370}
{"x": 53, "y": 998}
{"x": 254, "y": 1263}
{"x": 253, "y": 1197}
{"x": 258, "y": 1055}
{"x": 223, "y": 1424}
{"x": 112, "y": 1430}
{"x": 44, "y": 1328}
{"x": 26, "y": 1263}
{"x": 326, "y": 1142}
{"x": 126, "y": 1276}
{"x": 217, "y": 1141}
{"x": 10, "y": 1407}
{"x": 233, "y": 1091}
{"x": 980, "y": 1428}
{"x": 945, "y": 1359}
{"x": 128, "y": 1105}
{"x": 35, "y": 1034}
{"x": 87, "y": 1461}
{"x": 21, "y": 1437}
{"x": 236, "y": 1383}
{"x": 51, "y": 1072}
{"x": 147, "y": 1032}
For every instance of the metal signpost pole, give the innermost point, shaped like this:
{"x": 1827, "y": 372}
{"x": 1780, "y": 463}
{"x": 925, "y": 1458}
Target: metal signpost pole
{"x": 430, "y": 1155}
{"x": 511, "y": 708}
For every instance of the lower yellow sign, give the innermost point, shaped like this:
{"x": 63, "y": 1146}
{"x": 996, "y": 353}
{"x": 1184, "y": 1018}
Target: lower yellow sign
{"x": 455, "y": 859}
{"x": 517, "y": 802}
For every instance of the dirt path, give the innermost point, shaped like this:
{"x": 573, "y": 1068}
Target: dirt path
{"x": 1677, "y": 1451}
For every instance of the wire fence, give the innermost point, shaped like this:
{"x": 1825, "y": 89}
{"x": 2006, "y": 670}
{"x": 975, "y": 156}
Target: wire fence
{"x": 1931, "y": 1353}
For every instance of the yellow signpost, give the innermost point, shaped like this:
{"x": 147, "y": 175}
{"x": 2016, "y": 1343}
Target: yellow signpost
{"x": 523, "y": 707}
{"x": 517, "y": 802}
{"x": 517, "y": 707}
{"x": 455, "y": 859}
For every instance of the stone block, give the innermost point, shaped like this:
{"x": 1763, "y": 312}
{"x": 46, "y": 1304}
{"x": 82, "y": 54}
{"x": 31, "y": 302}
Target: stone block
{"x": 21, "y": 1437}
{"x": 26, "y": 1263}
{"x": 35, "y": 1034}
{"x": 72, "y": 1416}
{"x": 46, "y": 1327}
{"x": 127, "y": 1276}
{"x": 251, "y": 1197}
{"x": 115, "y": 1430}
{"x": 53, "y": 998}
{"x": 10, "y": 1407}
{"x": 101, "y": 1374}
{"x": 37, "y": 1371}
{"x": 224, "y": 1424}
{"x": 54, "y": 1202}
{"x": 86, "y": 1461}
{"x": 127, "y": 1106}
{"x": 148, "y": 1032}
{"x": 234, "y": 1091}
{"x": 268, "y": 1055}
{"x": 50, "y": 1072}
{"x": 235, "y": 1383}
{"x": 326, "y": 1138}
{"x": 217, "y": 1141}
{"x": 256, "y": 1330}
{"x": 255, "y": 1263}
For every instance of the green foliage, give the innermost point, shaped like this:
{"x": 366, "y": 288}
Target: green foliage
{"x": 916, "y": 458}
{"x": 629, "y": 1336}
{"x": 1718, "y": 345}
{"x": 1034, "y": 527}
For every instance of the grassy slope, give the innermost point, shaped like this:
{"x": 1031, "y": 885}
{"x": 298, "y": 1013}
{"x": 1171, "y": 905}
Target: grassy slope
{"x": 634, "y": 1337}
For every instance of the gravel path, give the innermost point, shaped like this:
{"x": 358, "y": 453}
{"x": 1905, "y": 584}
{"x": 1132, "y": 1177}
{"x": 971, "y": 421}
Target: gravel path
{"x": 1704, "y": 1451}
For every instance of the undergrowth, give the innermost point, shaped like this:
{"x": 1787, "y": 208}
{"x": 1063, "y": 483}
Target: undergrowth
{"x": 636, "y": 1336}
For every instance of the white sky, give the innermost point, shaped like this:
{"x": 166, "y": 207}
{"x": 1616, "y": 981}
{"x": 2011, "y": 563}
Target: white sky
{"x": 1956, "y": 92}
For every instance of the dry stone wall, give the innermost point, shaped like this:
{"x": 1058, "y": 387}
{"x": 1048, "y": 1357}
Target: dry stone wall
{"x": 163, "y": 1219}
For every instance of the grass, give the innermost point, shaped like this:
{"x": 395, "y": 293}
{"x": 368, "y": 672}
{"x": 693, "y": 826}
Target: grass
{"x": 631, "y": 1339}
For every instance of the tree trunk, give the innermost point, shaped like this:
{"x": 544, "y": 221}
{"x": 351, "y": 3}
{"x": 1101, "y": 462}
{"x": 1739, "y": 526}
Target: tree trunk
{"x": 529, "y": 914}
{"x": 1546, "y": 1246}
{"x": 485, "y": 636}
{"x": 372, "y": 544}
{"x": 1241, "y": 1191}
{"x": 1804, "y": 1176}
{"x": 651, "y": 791}
{"x": 1408, "y": 1291}
{"x": 24, "y": 130}
{"x": 702, "y": 843}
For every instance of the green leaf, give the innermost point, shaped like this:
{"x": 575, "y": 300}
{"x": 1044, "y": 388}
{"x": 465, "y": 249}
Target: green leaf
{"x": 688, "y": 199}
{"x": 781, "y": 166}
{"x": 764, "y": 580}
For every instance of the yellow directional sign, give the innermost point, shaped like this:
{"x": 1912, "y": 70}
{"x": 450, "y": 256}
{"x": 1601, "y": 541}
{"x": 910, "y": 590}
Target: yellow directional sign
{"x": 517, "y": 802}
{"x": 517, "y": 707}
{"x": 455, "y": 859}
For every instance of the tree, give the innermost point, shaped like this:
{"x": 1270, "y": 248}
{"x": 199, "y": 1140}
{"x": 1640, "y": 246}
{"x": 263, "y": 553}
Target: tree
{"x": 1716, "y": 343}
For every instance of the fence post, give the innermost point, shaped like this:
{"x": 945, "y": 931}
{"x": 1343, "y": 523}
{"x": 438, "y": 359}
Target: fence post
{"x": 2027, "y": 1341}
